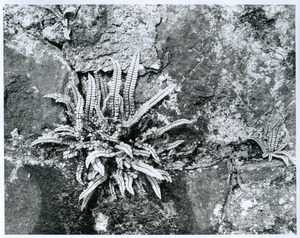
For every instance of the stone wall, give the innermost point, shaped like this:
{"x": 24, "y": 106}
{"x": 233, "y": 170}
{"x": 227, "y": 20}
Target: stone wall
{"x": 234, "y": 67}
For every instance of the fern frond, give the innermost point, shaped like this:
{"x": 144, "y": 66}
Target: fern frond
{"x": 152, "y": 152}
{"x": 85, "y": 200}
{"x": 106, "y": 137}
{"x": 61, "y": 98}
{"x": 148, "y": 105}
{"x": 96, "y": 154}
{"x": 120, "y": 181}
{"x": 285, "y": 142}
{"x": 68, "y": 154}
{"x": 79, "y": 173}
{"x": 143, "y": 153}
{"x": 112, "y": 190}
{"x": 119, "y": 161}
{"x": 273, "y": 135}
{"x": 102, "y": 85}
{"x": 260, "y": 143}
{"x": 114, "y": 102}
{"x": 155, "y": 185}
{"x": 91, "y": 94}
{"x": 87, "y": 193}
{"x": 98, "y": 166}
{"x": 129, "y": 85}
{"x": 166, "y": 175}
{"x": 128, "y": 182}
{"x": 146, "y": 169}
{"x": 170, "y": 126}
{"x": 64, "y": 128}
{"x": 287, "y": 155}
{"x": 126, "y": 148}
{"x": 91, "y": 174}
{"x": 79, "y": 114}
{"x": 48, "y": 138}
{"x": 174, "y": 144}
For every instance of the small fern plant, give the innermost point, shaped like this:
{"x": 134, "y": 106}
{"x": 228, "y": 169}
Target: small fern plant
{"x": 111, "y": 139}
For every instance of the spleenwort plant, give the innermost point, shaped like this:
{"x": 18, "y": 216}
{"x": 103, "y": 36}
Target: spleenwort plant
{"x": 272, "y": 143}
{"x": 111, "y": 139}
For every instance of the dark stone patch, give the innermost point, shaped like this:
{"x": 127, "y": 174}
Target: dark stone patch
{"x": 186, "y": 46}
{"x": 23, "y": 200}
{"x": 196, "y": 194}
{"x": 26, "y": 82}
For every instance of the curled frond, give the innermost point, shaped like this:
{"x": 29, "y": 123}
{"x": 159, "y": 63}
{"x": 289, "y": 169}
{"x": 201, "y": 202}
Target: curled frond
{"x": 129, "y": 85}
{"x": 148, "y": 105}
{"x": 96, "y": 154}
{"x": 126, "y": 148}
{"x": 61, "y": 98}
{"x": 260, "y": 143}
{"x": 98, "y": 166}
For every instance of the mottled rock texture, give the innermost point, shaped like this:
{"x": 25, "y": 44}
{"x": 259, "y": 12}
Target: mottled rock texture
{"x": 234, "y": 67}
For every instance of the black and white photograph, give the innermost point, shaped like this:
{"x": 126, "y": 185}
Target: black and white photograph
{"x": 149, "y": 118}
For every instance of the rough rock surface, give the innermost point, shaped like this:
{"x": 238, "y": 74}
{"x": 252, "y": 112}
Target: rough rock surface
{"x": 29, "y": 62}
{"x": 266, "y": 204}
{"x": 116, "y": 31}
{"x": 234, "y": 75}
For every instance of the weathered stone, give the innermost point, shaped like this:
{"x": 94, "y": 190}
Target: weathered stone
{"x": 116, "y": 31}
{"x": 233, "y": 76}
{"x": 23, "y": 201}
{"x": 43, "y": 199}
{"x": 32, "y": 69}
{"x": 265, "y": 204}
{"x": 197, "y": 194}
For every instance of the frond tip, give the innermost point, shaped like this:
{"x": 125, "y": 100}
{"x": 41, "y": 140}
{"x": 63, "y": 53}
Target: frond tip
{"x": 148, "y": 105}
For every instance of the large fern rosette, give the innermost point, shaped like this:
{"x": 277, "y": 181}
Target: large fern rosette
{"x": 110, "y": 138}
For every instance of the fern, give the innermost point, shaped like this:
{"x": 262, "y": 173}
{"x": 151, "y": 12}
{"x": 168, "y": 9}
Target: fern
{"x": 91, "y": 94}
{"x": 120, "y": 181}
{"x": 172, "y": 125}
{"x": 48, "y": 138}
{"x": 102, "y": 84}
{"x": 114, "y": 104}
{"x": 126, "y": 148}
{"x": 146, "y": 169}
{"x": 155, "y": 186}
{"x": 148, "y": 105}
{"x": 129, "y": 86}
{"x": 109, "y": 139}
{"x": 128, "y": 182}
